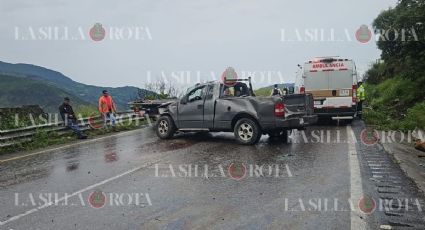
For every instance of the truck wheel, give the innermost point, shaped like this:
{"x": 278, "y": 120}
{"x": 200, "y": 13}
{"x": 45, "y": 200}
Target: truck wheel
{"x": 247, "y": 131}
{"x": 165, "y": 127}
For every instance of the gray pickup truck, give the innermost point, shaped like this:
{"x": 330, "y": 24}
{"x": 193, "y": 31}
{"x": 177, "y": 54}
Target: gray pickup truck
{"x": 219, "y": 107}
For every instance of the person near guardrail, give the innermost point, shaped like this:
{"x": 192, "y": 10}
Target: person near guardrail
{"x": 107, "y": 108}
{"x": 69, "y": 118}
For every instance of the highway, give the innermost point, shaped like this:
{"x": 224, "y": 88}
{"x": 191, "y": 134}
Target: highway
{"x": 325, "y": 178}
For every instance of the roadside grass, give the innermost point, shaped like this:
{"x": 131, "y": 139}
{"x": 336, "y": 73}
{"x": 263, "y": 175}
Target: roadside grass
{"x": 43, "y": 139}
{"x": 86, "y": 111}
{"x": 393, "y": 105}
{"x": 262, "y": 92}
{"x": 8, "y": 121}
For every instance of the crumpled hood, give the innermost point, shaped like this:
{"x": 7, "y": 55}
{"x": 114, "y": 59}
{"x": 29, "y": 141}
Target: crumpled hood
{"x": 168, "y": 103}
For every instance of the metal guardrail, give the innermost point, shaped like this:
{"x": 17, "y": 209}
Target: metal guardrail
{"x": 15, "y": 136}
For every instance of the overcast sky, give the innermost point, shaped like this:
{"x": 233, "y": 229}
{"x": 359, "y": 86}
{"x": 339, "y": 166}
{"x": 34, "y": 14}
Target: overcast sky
{"x": 265, "y": 38}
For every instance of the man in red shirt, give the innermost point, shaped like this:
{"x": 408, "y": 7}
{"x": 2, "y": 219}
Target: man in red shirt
{"x": 107, "y": 108}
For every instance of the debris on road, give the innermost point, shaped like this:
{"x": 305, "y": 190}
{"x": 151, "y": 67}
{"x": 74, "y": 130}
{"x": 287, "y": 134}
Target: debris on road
{"x": 420, "y": 145}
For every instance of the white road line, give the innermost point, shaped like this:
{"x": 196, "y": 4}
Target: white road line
{"x": 14, "y": 218}
{"x": 356, "y": 190}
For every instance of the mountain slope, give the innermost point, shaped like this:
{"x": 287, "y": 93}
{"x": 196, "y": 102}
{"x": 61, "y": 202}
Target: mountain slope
{"x": 21, "y": 90}
{"x": 89, "y": 93}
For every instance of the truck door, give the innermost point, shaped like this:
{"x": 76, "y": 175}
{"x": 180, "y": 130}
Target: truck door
{"x": 209, "y": 105}
{"x": 191, "y": 109}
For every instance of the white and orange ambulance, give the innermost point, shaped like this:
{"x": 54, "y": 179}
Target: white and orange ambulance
{"x": 333, "y": 83}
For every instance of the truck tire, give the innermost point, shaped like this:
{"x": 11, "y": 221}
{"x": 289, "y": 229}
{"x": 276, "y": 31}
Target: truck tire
{"x": 247, "y": 131}
{"x": 165, "y": 128}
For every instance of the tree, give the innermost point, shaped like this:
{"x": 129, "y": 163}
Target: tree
{"x": 377, "y": 73}
{"x": 402, "y": 31}
{"x": 163, "y": 89}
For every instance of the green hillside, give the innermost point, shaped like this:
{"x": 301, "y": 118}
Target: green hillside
{"x": 89, "y": 93}
{"x": 20, "y": 90}
{"x": 266, "y": 91}
{"x": 395, "y": 86}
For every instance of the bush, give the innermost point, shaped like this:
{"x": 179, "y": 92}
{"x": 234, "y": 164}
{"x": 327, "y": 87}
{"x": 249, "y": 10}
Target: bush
{"x": 377, "y": 73}
{"x": 393, "y": 94}
{"x": 393, "y": 105}
{"x": 415, "y": 117}
{"x": 376, "y": 118}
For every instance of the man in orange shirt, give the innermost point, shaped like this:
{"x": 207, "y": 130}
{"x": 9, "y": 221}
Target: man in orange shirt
{"x": 107, "y": 107}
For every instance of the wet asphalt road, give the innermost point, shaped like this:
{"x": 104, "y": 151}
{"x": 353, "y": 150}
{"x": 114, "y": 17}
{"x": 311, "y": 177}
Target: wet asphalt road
{"x": 207, "y": 181}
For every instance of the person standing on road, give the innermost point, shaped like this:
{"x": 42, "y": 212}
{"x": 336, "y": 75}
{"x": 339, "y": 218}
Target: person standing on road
{"x": 276, "y": 91}
{"x": 107, "y": 108}
{"x": 68, "y": 116}
{"x": 361, "y": 96}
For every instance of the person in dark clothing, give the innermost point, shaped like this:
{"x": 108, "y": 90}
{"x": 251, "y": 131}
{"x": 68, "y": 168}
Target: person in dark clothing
{"x": 241, "y": 89}
{"x": 68, "y": 116}
{"x": 276, "y": 91}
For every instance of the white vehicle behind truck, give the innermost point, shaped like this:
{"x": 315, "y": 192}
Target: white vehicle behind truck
{"x": 333, "y": 83}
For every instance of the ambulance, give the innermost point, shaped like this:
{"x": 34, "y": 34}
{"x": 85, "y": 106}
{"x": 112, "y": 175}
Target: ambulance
{"x": 333, "y": 83}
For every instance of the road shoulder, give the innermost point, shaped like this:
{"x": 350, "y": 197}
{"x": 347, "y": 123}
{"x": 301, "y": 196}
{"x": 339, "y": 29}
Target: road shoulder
{"x": 407, "y": 157}
{"x": 21, "y": 154}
